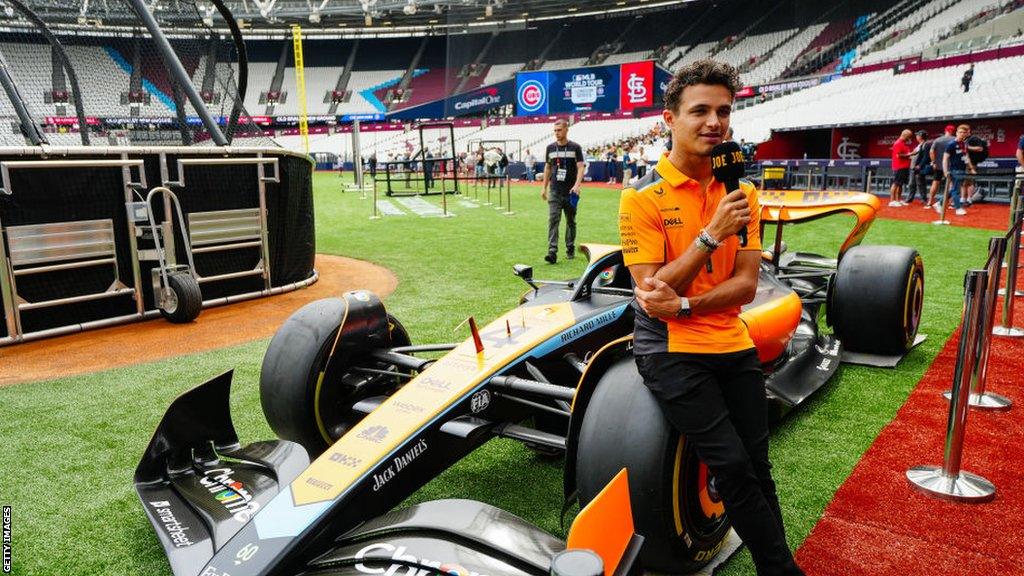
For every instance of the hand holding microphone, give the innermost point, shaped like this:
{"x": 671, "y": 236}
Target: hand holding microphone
{"x": 733, "y": 215}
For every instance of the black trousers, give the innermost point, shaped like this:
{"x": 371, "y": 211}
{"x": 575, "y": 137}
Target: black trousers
{"x": 718, "y": 402}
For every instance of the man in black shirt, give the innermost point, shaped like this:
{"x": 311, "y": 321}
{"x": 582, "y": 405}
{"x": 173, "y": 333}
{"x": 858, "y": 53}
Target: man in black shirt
{"x": 966, "y": 80}
{"x": 563, "y": 174}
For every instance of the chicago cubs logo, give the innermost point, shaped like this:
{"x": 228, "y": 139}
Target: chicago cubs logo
{"x": 532, "y": 96}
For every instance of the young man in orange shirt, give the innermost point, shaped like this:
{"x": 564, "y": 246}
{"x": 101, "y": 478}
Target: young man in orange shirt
{"x": 678, "y": 230}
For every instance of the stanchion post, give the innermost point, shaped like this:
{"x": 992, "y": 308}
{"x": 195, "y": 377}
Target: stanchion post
{"x": 1016, "y": 214}
{"x": 508, "y": 190}
{"x": 949, "y": 482}
{"x": 942, "y": 207}
{"x": 979, "y": 398}
{"x": 1006, "y": 327}
{"x": 375, "y": 216}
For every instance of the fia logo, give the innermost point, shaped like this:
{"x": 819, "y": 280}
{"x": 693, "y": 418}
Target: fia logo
{"x": 480, "y": 401}
{"x": 848, "y": 150}
{"x": 637, "y": 90}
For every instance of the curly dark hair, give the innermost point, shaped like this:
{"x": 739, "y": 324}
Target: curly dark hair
{"x": 705, "y": 71}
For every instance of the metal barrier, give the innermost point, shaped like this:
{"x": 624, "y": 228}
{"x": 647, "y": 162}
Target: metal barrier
{"x": 1006, "y": 327}
{"x": 949, "y": 482}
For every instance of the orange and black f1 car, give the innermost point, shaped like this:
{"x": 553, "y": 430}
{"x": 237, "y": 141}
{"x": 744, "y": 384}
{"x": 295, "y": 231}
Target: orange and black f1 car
{"x": 365, "y": 418}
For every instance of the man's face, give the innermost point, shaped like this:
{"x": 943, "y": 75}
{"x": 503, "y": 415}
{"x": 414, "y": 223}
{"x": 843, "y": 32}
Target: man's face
{"x": 920, "y": 139}
{"x": 561, "y": 130}
{"x": 962, "y": 134}
{"x": 701, "y": 120}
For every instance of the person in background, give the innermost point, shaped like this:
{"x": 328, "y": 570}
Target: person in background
{"x": 920, "y": 170}
{"x": 641, "y": 162}
{"x": 428, "y": 170}
{"x": 491, "y": 159}
{"x": 900, "y": 167}
{"x": 955, "y": 165}
{"x": 372, "y": 163}
{"x": 627, "y": 166}
{"x": 531, "y": 166}
{"x": 935, "y": 155}
{"x": 502, "y": 163}
{"x": 965, "y": 81}
{"x": 563, "y": 174}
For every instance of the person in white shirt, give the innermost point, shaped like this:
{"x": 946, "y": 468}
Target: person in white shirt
{"x": 531, "y": 163}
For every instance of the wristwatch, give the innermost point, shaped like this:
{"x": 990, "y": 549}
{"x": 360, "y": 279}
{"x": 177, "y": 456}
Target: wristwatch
{"x": 684, "y": 308}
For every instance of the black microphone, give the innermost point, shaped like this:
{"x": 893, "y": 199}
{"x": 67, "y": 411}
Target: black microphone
{"x": 727, "y": 164}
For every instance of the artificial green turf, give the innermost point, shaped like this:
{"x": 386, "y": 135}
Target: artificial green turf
{"x": 70, "y": 445}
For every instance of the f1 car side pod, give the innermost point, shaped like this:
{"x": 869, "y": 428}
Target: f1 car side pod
{"x": 364, "y": 419}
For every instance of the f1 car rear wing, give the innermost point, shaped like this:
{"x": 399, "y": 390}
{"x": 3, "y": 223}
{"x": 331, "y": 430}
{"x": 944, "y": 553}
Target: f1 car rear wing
{"x": 795, "y": 206}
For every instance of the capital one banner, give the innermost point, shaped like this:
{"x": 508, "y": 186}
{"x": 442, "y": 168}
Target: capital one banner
{"x": 636, "y": 85}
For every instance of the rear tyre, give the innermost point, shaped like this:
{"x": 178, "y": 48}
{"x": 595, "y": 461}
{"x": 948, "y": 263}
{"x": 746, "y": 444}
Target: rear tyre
{"x": 876, "y": 300}
{"x": 185, "y": 301}
{"x": 675, "y": 506}
{"x": 299, "y": 405}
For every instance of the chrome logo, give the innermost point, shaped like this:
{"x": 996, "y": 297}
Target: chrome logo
{"x": 532, "y": 96}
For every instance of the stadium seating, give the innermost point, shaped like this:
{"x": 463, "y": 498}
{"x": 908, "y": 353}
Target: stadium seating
{"x": 930, "y": 25}
{"x": 885, "y": 96}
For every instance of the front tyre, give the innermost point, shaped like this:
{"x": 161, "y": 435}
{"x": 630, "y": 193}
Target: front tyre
{"x": 308, "y": 395}
{"x": 675, "y": 506}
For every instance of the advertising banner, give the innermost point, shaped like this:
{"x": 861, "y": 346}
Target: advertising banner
{"x": 584, "y": 89}
{"x": 636, "y": 85}
{"x": 532, "y": 93}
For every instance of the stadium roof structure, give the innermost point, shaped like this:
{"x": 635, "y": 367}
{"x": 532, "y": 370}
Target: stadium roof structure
{"x": 340, "y": 17}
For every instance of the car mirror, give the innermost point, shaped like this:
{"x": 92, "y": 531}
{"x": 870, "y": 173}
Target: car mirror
{"x": 526, "y": 273}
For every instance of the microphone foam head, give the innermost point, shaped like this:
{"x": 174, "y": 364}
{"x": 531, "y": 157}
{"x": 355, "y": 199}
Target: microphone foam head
{"x": 727, "y": 161}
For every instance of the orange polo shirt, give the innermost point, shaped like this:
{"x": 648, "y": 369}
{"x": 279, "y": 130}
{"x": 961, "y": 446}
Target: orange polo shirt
{"x": 658, "y": 221}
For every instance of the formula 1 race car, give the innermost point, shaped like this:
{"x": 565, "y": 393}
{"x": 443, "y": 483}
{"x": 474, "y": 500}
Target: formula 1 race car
{"x": 343, "y": 384}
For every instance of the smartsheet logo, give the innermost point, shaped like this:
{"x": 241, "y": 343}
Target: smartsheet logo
{"x": 7, "y": 540}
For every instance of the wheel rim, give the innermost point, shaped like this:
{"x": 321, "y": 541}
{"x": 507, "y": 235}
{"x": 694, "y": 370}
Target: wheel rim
{"x": 913, "y": 303}
{"x": 698, "y": 508}
{"x": 170, "y": 301}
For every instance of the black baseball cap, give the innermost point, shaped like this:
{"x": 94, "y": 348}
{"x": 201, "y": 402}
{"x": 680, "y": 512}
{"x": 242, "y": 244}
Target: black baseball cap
{"x": 922, "y": 133}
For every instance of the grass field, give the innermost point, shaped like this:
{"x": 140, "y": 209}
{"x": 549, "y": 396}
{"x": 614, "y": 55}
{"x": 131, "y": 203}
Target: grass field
{"x": 69, "y": 446}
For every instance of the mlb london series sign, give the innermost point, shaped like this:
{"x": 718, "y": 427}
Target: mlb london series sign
{"x": 623, "y": 87}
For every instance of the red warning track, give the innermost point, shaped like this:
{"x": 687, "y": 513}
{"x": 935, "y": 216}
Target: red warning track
{"x": 158, "y": 339}
{"x": 987, "y": 216}
{"x": 878, "y": 525}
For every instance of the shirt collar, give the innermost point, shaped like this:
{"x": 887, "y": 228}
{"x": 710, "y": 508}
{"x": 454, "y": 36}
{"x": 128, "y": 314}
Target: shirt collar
{"x": 675, "y": 177}
{"x": 670, "y": 173}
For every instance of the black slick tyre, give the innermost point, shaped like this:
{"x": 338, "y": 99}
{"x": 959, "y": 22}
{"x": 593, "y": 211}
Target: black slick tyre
{"x": 298, "y": 404}
{"x": 876, "y": 300}
{"x": 674, "y": 504}
{"x": 185, "y": 301}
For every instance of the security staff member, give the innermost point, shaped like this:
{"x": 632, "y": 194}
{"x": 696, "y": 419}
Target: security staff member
{"x": 563, "y": 175}
{"x": 678, "y": 231}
